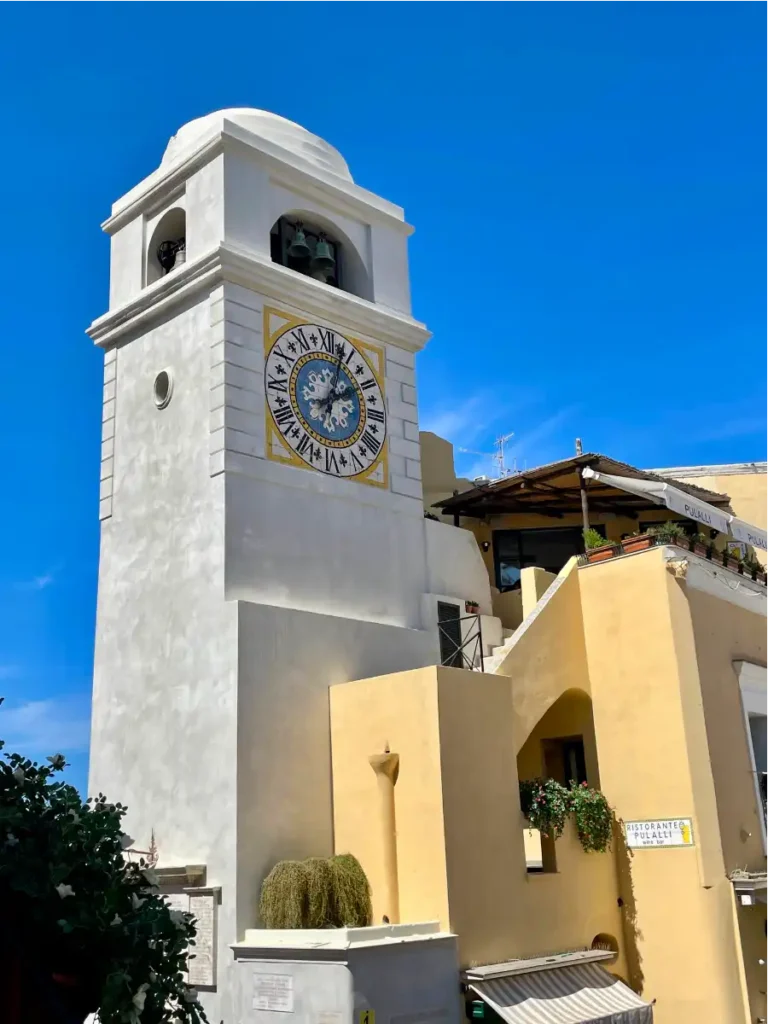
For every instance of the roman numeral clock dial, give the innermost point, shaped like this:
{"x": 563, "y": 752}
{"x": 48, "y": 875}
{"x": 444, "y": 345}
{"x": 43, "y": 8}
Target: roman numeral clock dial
{"x": 325, "y": 401}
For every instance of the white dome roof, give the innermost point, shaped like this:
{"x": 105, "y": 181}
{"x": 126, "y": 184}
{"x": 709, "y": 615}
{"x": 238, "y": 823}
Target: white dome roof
{"x": 268, "y": 126}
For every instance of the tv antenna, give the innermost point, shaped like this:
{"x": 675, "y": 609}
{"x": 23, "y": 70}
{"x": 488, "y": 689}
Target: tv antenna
{"x": 497, "y": 456}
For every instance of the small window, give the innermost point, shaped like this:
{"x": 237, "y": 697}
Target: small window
{"x": 564, "y": 759}
{"x": 163, "y": 388}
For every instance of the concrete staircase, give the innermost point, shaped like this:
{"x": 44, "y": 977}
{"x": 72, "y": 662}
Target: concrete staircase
{"x": 492, "y": 661}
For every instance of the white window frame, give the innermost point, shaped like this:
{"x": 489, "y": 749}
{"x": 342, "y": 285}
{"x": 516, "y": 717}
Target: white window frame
{"x": 753, "y": 684}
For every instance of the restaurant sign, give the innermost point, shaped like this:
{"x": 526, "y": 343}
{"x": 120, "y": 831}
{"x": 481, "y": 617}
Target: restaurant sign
{"x": 660, "y": 833}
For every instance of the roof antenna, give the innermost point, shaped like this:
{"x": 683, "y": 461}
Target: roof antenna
{"x": 579, "y": 450}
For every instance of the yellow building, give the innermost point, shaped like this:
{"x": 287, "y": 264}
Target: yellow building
{"x": 642, "y": 675}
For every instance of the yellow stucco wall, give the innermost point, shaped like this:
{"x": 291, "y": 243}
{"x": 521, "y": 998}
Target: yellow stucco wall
{"x": 548, "y": 658}
{"x": 459, "y": 827}
{"x": 399, "y": 712}
{"x": 456, "y": 803}
{"x": 654, "y": 763}
{"x": 723, "y": 634}
{"x": 623, "y": 654}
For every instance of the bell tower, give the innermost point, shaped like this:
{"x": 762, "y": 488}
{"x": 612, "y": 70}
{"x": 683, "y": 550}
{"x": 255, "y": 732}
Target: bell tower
{"x": 261, "y": 511}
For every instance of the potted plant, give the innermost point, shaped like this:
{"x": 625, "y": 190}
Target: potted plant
{"x": 752, "y": 567}
{"x": 547, "y": 804}
{"x": 472, "y": 607}
{"x": 732, "y": 559}
{"x": 670, "y": 532}
{"x": 701, "y": 545}
{"x": 637, "y": 542}
{"x": 597, "y": 547}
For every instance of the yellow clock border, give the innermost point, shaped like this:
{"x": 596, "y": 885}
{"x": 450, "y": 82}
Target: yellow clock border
{"x": 291, "y": 458}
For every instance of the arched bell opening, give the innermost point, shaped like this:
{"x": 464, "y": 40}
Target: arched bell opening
{"x": 314, "y": 246}
{"x": 167, "y": 246}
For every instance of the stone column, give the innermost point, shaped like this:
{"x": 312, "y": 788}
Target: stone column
{"x": 386, "y": 767}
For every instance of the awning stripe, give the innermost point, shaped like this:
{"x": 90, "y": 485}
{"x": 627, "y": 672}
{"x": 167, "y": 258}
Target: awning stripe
{"x": 579, "y": 994}
{"x": 665, "y": 494}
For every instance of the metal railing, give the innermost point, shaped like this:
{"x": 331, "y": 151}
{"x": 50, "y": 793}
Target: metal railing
{"x": 461, "y": 646}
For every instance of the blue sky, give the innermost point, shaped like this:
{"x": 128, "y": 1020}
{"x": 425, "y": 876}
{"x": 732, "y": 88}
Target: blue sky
{"x": 587, "y": 185}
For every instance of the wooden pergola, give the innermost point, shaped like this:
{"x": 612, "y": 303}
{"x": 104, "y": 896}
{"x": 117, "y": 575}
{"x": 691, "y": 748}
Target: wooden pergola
{"x": 554, "y": 490}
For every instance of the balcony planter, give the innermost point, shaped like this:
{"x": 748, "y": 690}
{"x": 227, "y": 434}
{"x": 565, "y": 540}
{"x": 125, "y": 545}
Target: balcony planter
{"x": 700, "y": 549}
{"x": 638, "y": 543}
{"x": 471, "y": 607}
{"x": 600, "y": 554}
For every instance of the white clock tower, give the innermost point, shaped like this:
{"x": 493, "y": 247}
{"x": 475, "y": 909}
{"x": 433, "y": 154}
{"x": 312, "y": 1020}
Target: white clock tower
{"x": 263, "y": 534}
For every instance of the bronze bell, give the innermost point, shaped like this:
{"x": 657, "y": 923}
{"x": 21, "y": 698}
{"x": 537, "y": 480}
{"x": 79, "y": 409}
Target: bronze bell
{"x": 298, "y": 249}
{"x": 323, "y": 261}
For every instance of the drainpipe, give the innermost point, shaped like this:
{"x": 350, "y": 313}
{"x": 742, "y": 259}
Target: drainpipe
{"x": 386, "y": 766}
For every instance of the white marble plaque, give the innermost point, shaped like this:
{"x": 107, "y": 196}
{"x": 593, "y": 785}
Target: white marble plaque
{"x": 273, "y": 992}
{"x": 202, "y": 962}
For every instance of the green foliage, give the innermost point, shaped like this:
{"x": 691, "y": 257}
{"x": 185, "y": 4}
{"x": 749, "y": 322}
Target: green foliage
{"x": 351, "y": 893}
{"x": 284, "y": 901}
{"x": 751, "y": 564}
{"x": 547, "y": 804}
{"x": 73, "y": 903}
{"x": 544, "y": 803}
{"x": 594, "y": 821}
{"x": 316, "y": 893}
{"x": 593, "y": 539}
{"x": 669, "y": 532}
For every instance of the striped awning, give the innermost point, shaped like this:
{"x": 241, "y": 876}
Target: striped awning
{"x": 578, "y": 994}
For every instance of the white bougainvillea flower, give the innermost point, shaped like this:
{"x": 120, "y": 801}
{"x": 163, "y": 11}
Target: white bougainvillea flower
{"x": 75, "y": 817}
{"x": 136, "y": 901}
{"x": 57, "y": 760}
{"x": 190, "y": 995}
{"x": 116, "y": 920}
{"x": 18, "y": 774}
{"x": 179, "y": 918}
{"x": 65, "y": 890}
{"x": 140, "y": 996}
{"x": 11, "y": 840}
{"x": 126, "y": 841}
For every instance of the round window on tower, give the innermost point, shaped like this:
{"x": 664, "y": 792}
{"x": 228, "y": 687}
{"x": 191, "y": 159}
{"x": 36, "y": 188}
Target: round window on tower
{"x": 163, "y": 388}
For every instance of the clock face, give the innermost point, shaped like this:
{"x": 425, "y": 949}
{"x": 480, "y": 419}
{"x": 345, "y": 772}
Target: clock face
{"x": 326, "y": 402}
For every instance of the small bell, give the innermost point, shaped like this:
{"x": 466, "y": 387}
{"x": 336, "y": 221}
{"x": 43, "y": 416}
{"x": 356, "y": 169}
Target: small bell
{"x": 323, "y": 261}
{"x": 298, "y": 249}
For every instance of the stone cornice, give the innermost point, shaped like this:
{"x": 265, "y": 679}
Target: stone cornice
{"x": 228, "y": 264}
{"x": 346, "y": 197}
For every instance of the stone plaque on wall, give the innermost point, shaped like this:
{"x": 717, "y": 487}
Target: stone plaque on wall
{"x": 201, "y": 904}
{"x": 202, "y": 964}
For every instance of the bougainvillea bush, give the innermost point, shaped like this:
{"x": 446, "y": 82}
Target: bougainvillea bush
{"x": 81, "y": 929}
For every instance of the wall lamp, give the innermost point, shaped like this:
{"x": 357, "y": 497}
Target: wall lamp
{"x": 485, "y": 545}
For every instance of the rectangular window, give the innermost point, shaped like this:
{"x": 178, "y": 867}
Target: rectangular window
{"x": 550, "y": 549}
{"x": 752, "y": 683}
